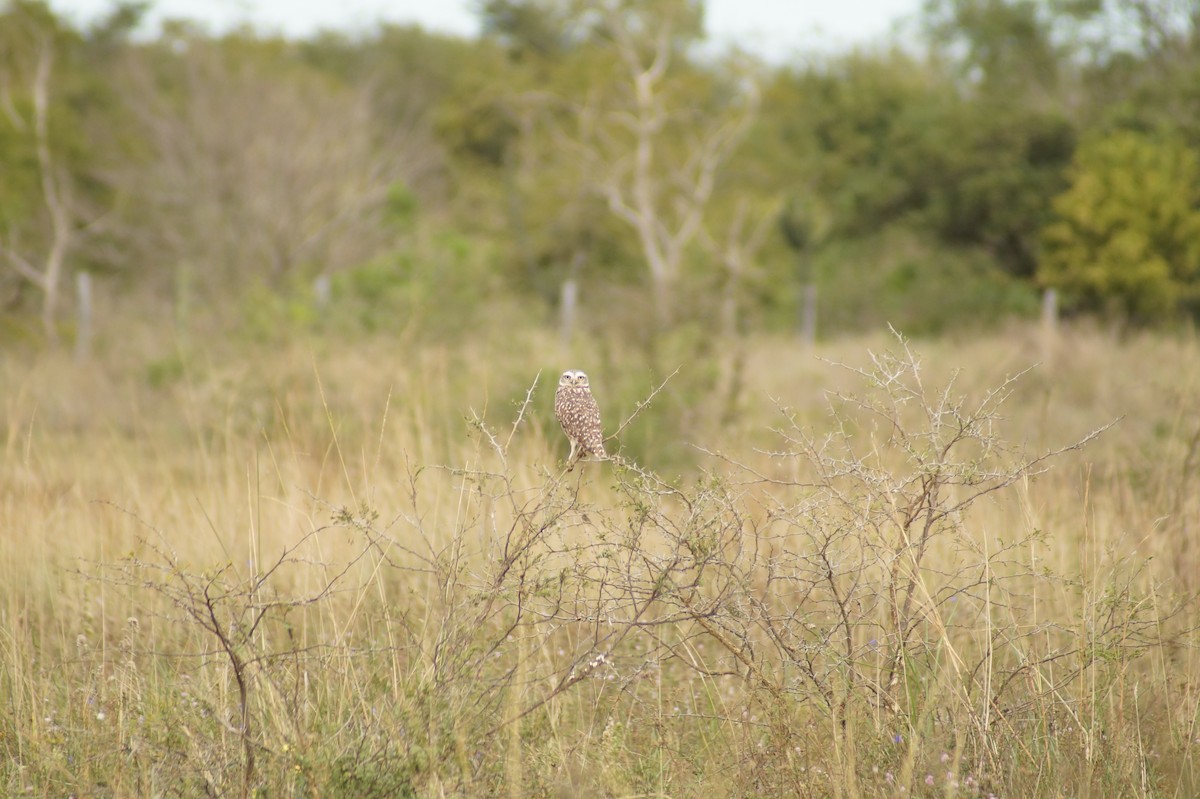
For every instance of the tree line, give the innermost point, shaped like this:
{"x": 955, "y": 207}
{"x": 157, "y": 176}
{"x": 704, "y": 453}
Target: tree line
{"x": 592, "y": 164}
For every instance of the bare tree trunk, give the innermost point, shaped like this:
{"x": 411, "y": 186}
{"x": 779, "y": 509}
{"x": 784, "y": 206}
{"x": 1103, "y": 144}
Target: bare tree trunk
{"x": 83, "y": 329}
{"x": 50, "y": 286}
{"x": 663, "y": 198}
{"x": 47, "y": 275}
{"x": 736, "y": 252}
{"x": 52, "y": 191}
{"x": 646, "y": 216}
{"x": 664, "y": 303}
{"x": 733, "y": 363}
{"x": 729, "y": 305}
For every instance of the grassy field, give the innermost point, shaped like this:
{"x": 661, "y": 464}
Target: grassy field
{"x": 882, "y": 569}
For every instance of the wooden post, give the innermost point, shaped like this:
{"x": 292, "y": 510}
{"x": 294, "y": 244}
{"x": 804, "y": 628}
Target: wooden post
{"x": 808, "y": 315}
{"x": 1050, "y": 311}
{"x": 569, "y": 300}
{"x": 1049, "y": 335}
{"x": 568, "y": 305}
{"x": 322, "y": 290}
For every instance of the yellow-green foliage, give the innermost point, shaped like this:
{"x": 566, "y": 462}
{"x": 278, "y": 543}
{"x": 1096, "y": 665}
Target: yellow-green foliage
{"x": 1128, "y": 228}
{"x": 362, "y": 571}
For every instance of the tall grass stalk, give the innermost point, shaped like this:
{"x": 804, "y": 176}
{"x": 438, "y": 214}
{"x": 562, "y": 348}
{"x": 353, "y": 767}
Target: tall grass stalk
{"x": 913, "y": 575}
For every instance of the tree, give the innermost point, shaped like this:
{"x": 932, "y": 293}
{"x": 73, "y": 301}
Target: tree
{"x": 1005, "y": 46}
{"x": 616, "y": 143}
{"x": 666, "y": 210}
{"x": 61, "y": 130}
{"x": 261, "y": 168}
{"x": 862, "y": 128}
{"x": 655, "y": 141}
{"x": 987, "y": 175}
{"x": 1127, "y": 233}
{"x": 892, "y": 141}
{"x": 1146, "y": 67}
{"x": 40, "y": 220}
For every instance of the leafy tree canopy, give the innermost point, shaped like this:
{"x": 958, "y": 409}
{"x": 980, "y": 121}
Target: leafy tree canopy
{"x": 1127, "y": 233}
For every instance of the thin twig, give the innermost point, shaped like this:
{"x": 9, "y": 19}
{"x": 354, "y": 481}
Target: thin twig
{"x": 524, "y": 407}
{"x": 643, "y": 404}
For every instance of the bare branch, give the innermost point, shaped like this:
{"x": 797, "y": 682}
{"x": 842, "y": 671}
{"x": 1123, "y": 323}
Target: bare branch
{"x": 643, "y": 404}
{"x": 524, "y": 408}
{"x": 23, "y": 267}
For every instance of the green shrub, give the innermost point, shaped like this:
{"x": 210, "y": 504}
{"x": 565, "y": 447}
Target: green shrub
{"x": 1127, "y": 234}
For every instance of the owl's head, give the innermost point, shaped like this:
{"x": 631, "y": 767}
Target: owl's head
{"x": 573, "y": 377}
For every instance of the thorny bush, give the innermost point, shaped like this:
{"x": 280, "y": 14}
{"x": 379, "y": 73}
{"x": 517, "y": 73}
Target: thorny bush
{"x": 824, "y": 596}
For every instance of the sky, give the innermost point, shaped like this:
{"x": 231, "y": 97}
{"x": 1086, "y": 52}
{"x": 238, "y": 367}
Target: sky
{"x": 773, "y": 29}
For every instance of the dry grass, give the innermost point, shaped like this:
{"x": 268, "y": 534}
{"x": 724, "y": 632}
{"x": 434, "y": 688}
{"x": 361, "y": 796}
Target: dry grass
{"x": 347, "y": 572}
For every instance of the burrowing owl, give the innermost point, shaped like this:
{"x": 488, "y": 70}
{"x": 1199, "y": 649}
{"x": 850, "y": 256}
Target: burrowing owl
{"x": 579, "y": 415}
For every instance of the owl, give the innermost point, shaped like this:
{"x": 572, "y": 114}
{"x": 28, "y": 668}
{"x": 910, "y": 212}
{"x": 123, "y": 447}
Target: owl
{"x": 579, "y": 415}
